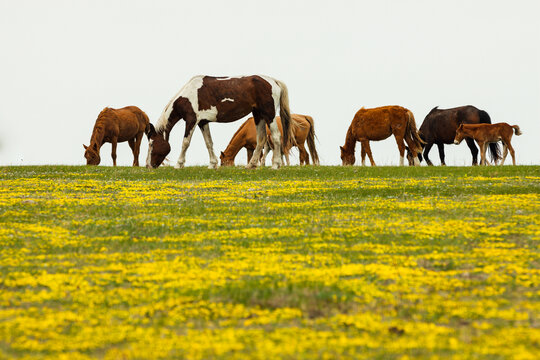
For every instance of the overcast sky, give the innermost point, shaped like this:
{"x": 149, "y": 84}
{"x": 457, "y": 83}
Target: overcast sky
{"x": 62, "y": 62}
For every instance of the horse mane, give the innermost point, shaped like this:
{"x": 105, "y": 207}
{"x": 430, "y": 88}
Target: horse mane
{"x": 434, "y": 109}
{"x": 99, "y": 128}
{"x": 240, "y": 128}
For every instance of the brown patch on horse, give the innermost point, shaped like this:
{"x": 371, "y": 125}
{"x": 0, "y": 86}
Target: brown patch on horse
{"x": 114, "y": 126}
{"x": 246, "y": 137}
{"x": 379, "y": 124}
{"x": 485, "y": 134}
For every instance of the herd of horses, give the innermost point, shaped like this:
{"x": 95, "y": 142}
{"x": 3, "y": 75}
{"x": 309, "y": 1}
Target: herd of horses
{"x": 206, "y": 99}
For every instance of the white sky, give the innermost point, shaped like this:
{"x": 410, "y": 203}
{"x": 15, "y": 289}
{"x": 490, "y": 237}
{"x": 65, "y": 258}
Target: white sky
{"x": 61, "y": 62}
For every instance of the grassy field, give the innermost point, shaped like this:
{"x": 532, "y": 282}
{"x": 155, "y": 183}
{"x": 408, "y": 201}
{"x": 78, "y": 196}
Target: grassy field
{"x": 311, "y": 262}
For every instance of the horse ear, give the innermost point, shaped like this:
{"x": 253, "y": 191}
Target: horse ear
{"x": 341, "y": 147}
{"x": 222, "y": 154}
{"x": 85, "y": 147}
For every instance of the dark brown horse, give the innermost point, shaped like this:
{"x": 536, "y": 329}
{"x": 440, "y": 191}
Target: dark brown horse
{"x": 378, "y": 124}
{"x": 440, "y": 125}
{"x": 114, "y": 126}
{"x": 485, "y": 134}
{"x": 246, "y": 137}
{"x": 206, "y": 99}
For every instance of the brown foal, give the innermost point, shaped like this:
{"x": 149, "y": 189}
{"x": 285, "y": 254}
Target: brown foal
{"x": 485, "y": 134}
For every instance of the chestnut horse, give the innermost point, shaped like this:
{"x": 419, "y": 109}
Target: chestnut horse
{"x": 378, "y": 124}
{"x": 440, "y": 125}
{"x": 246, "y": 137}
{"x": 114, "y": 126}
{"x": 206, "y": 99}
{"x": 485, "y": 134}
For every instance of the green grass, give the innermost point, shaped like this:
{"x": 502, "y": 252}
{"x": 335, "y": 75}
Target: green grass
{"x": 101, "y": 262}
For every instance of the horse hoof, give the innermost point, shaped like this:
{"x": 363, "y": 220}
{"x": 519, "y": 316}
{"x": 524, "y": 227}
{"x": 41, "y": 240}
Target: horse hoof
{"x": 251, "y": 166}
{"x": 178, "y": 166}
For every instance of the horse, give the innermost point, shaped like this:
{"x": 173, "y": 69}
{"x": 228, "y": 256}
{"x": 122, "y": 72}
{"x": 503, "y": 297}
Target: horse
{"x": 485, "y": 134}
{"x": 246, "y": 137}
{"x": 114, "y": 126}
{"x": 206, "y": 99}
{"x": 378, "y": 124}
{"x": 440, "y": 125}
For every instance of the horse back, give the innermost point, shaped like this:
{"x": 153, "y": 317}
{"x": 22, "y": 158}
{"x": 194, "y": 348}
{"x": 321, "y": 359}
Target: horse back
{"x": 440, "y": 125}
{"x": 124, "y": 123}
{"x": 377, "y": 123}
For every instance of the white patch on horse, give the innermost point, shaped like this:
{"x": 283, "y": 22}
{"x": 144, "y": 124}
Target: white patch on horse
{"x": 227, "y": 99}
{"x": 193, "y": 84}
{"x": 208, "y": 114}
{"x": 401, "y": 161}
{"x": 276, "y": 91}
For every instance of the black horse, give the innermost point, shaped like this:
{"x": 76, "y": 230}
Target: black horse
{"x": 440, "y": 125}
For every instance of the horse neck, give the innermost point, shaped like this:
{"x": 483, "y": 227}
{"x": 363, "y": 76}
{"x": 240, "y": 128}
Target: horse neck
{"x": 98, "y": 134}
{"x": 236, "y": 144}
{"x": 350, "y": 141}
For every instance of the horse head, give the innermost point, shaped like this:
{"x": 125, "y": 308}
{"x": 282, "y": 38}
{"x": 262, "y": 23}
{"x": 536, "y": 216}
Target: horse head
{"x": 410, "y": 156}
{"x": 460, "y": 135}
{"x": 158, "y": 147}
{"x": 226, "y": 160}
{"x": 347, "y": 157}
{"x": 91, "y": 154}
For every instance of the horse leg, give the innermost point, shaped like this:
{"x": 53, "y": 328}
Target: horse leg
{"x": 474, "y": 150}
{"x": 249, "y": 154}
{"x": 426, "y": 153}
{"x": 363, "y": 155}
{"x": 365, "y": 145}
{"x": 505, "y": 153}
{"x": 261, "y": 139}
{"x": 265, "y": 153}
{"x": 512, "y": 152}
{"x": 190, "y": 129}
{"x": 304, "y": 156}
{"x": 131, "y": 143}
{"x": 276, "y": 138}
{"x": 113, "y": 150}
{"x": 136, "y": 148}
{"x": 205, "y": 128}
{"x": 440, "y": 146}
{"x": 286, "y": 153}
{"x": 483, "y": 147}
{"x": 401, "y": 147}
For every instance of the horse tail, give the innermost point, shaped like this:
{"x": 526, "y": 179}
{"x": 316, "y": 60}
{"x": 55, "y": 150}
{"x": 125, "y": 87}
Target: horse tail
{"x": 311, "y": 141}
{"x": 517, "y": 130}
{"x": 494, "y": 149}
{"x": 285, "y": 114}
{"x": 412, "y": 132}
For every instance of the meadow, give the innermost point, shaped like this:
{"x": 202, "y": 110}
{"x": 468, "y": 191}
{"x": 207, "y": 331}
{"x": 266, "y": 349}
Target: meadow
{"x": 303, "y": 262}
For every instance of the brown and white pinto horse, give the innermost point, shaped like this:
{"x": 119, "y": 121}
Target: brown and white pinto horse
{"x": 206, "y": 99}
{"x": 114, "y": 126}
{"x": 378, "y": 124}
{"x": 485, "y": 134}
{"x": 246, "y": 137}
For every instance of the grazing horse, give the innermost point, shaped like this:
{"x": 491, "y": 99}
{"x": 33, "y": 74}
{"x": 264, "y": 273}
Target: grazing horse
{"x": 206, "y": 99}
{"x": 440, "y": 125}
{"x": 114, "y": 126}
{"x": 485, "y": 134}
{"x": 246, "y": 137}
{"x": 378, "y": 124}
